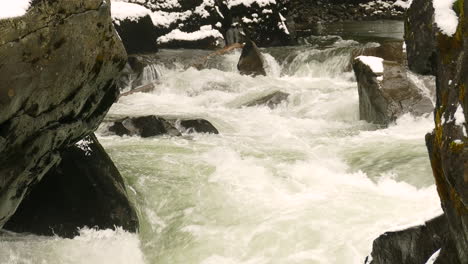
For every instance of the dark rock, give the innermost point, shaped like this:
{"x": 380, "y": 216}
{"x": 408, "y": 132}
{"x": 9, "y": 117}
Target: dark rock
{"x": 196, "y": 126}
{"x": 390, "y": 51}
{"x": 251, "y": 60}
{"x": 413, "y": 245}
{"x": 143, "y": 126}
{"x": 420, "y": 39}
{"x": 447, "y": 144}
{"x": 84, "y": 189}
{"x": 271, "y": 100}
{"x": 57, "y": 70}
{"x": 138, "y": 36}
{"x": 383, "y": 101}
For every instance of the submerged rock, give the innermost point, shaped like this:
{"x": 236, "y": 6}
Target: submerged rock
{"x": 412, "y": 245}
{"x": 57, "y": 70}
{"x": 84, "y": 189}
{"x": 150, "y": 126}
{"x": 143, "y": 126}
{"x": 251, "y": 60}
{"x": 271, "y": 100}
{"x": 196, "y": 126}
{"x": 420, "y": 39}
{"x": 387, "y": 93}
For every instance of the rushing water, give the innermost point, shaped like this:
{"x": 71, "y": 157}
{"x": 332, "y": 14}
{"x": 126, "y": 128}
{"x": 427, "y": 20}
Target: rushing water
{"x": 307, "y": 182}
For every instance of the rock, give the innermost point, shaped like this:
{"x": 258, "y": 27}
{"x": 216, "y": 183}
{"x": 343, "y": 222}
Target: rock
{"x": 390, "y": 51}
{"x": 196, "y": 126}
{"x": 143, "y": 126}
{"x": 413, "y": 245}
{"x": 139, "y": 71}
{"x": 447, "y": 144}
{"x": 271, "y": 100}
{"x": 382, "y": 99}
{"x": 420, "y": 38}
{"x": 138, "y": 36}
{"x": 84, "y": 189}
{"x": 251, "y": 60}
{"x": 57, "y": 70}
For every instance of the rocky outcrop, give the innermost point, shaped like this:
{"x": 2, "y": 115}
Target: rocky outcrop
{"x": 412, "y": 245}
{"x": 251, "y": 60}
{"x": 150, "y": 126}
{"x": 57, "y": 70}
{"x": 138, "y": 35}
{"x": 420, "y": 37}
{"x": 84, "y": 189}
{"x": 271, "y": 100}
{"x": 447, "y": 144}
{"x": 387, "y": 93}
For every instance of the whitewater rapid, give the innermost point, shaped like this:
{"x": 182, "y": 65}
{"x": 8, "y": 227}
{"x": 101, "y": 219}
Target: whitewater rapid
{"x": 307, "y": 182}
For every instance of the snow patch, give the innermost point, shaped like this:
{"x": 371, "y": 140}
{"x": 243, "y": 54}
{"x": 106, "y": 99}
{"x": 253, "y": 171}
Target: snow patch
{"x": 445, "y": 18}
{"x": 122, "y": 10}
{"x": 459, "y": 116}
{"x": 403, "y": 3}
{"x": 375, "y": 63}
{"x": 204, "y": 32}
{"x": 15, "y": 8}
{"x": 248, "y": 3}
{"x": 84, "y": 145}
{"x": 434, "y": 257}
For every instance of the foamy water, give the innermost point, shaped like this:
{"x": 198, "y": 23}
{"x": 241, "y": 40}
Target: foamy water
{"x": 307, "y": 182}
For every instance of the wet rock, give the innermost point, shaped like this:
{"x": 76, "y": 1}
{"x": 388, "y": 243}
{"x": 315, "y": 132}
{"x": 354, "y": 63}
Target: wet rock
{"x": 196, "y": 126}
{"x": 389, "y": 51}
{"x": 420, "y": 40}
{"x": 447, "y": 144}
{"x": 251, "y": 60}
{"x": 414, "y": 245}
{"x": 271, "y": 100}
{"x": 138, "y": 36}
{"x": 57, "y": 70}
{"x": 84, "y": 189}
{"x": 385, "y": 96}
{"x": 143, "y": 126}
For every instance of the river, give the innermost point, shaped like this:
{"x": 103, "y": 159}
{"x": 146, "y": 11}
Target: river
{"x": 306, "y": 182}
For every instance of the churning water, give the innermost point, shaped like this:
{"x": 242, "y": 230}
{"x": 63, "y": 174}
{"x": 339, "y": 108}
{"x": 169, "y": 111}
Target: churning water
{"x": 306, "y": 182}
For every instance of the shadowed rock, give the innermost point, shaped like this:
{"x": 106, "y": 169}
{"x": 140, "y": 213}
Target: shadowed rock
{"x": 413, "y": 245}
{"x": 196, "y": 126}
{"x": 57, "y": 70}
{"x": 251, "y": 60}
{"x": 138, "y": 36}
{"x": 143, "y": 126}
{"x": 84, "y": 189}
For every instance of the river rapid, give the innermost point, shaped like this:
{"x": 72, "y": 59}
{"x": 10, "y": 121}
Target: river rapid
{"x": 306, "y": 182}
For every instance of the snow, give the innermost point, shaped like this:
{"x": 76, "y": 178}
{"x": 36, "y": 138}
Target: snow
{"x": 14, "y": 8}
{"x": 248, "y": 3}
{"x": 459, "y": 116}
{"x": 375, "y": 63}
{"x": 434, "y": 257}
{"x": 122, "y": 10}
{"x": 445, "y": 18}
{"x": 84, "y": 145}
{"x": 204, "y": 32}
{"x": 404, "y": 4}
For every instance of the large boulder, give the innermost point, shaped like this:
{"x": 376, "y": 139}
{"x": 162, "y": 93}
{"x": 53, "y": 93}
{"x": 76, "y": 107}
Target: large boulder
{"x": 57, "y": 70}
{"x": 138, "y": 35}
{"x": 251, "y": 60}
{"x": 386, "y": 92}
{"x": 447, "y": 144}
{"x": 413, "y": 245}
{"x": 420, "y": 39}
{"x": 84, "y": 189}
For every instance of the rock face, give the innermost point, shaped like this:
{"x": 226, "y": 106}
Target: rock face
{"x": 420, "y": 37}
{"x": 58, "y": 64}
{"x": 138, "y": 36}
{"x": 383, "y": 97}
{"x": 84, "y": 189}
{"x": 447, "y": 143}
{"x": 412, "y": 245}
{"x": 251, "y": 60}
